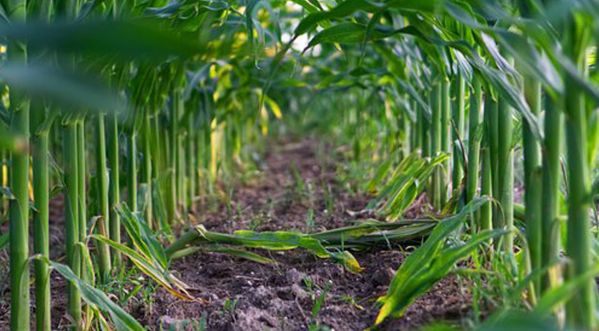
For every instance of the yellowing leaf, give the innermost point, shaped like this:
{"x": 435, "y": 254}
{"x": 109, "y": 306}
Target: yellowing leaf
{"x": 274, "y": 107}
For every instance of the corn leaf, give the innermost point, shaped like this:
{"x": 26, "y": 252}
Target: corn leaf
{"x": 121, "y": 319}
{"x": 431, "y": 262}
{"x": 279, "y": 240}
{"x": 73, "y": 91}
{"x": 160, "y": 275}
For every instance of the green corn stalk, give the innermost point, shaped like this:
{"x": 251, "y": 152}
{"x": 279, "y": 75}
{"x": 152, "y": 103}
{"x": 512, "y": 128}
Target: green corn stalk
{"x": 81, "y": 180}
{"x": 41, "y": 191}
{"x": 533, "y": 179}
{"x": 103, "y": 197}
{"x": 405, "y": 137}
{"x": 19, "y": 180}
{"x": 485, "y": 216}
{"x": 159, "y": 167}
{"x": 436, "y": 147}
{"x": 505, "y": 173}
{"x": 190, "y": 168}
{"x": 171, "y": 194}
{"x": 417, "y": 129}
{"x": 475, "y": 117}
{"x": 445, "y": 137}
{"x": 532, "y": 169}
{"x": 113, "y": 187}
{"x": 580, "y": 310}
{"x": 132, "y": 170}
{"x": 491, "y": 127}
{"x": 180, "y": 173}
{"x": 551, "y": 232}
{"x": 180, "y": 157}
{"x": 71, "y": 176}
{"x": 41, "y": 243}
{"x": 458, "y": 132}
{"x": 200, "y": 160}
{"x": 424, "y": 134}
{"x": 147, "y": 167}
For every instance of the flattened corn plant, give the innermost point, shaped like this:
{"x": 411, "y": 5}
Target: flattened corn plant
{"x": 134, "y": 110}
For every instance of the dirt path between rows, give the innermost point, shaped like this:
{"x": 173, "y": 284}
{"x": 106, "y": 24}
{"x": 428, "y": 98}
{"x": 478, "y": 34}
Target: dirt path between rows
{"x": 297, "y": 189}
{"x": 244, "y": 295}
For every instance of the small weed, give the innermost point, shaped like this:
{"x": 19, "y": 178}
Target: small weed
{"x": 191, "y": 324}
{"x": 228, "y": 199}
{"x": 319, "y": 302}
{"x": 131, "y": 289}
{"x": 229, "y": 307}
{"x": 310, "y": 220}
{"x": 298, "y": 180}
{"x": 329, "y": 201}
{"x": 350, "y": 299}
{"x": 318, "y": 296}
{"x": 309, "y": 283}
{"x": 258, "y": 219}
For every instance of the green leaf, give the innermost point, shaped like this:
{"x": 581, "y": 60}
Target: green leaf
{"x": 519, "y": 320}
{"x": 530, "y": 59}
{"x": 431, "y": 262}
{"x": 278, "y": 240}
{"x": 346, "y": 32}
{"x": 75, "y": 92}
{"x": 560, "y": 294}
{"x": 310, "y": 6}
{"x": 153, "y": 270}
{"x": 344, "y": 9}
{"x": 349, "y": 32}
{"x": 242, "y": 254}
{"x": 403, "y": 187}
{"x": 141, "y": 236}
{"x": 140, "y": 39}
{"x": 121, "y": 319}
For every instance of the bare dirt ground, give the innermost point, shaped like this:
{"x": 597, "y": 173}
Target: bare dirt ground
{"x": 296, "y": 190}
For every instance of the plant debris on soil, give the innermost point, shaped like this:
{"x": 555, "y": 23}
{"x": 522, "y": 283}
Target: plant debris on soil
{"x": 296, "y": 190}
{"x": 244, "y": 295}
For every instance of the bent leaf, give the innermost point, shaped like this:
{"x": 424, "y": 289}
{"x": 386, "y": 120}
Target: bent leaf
{"x": 430, "y": 263}
{"x": 121, "y": 319}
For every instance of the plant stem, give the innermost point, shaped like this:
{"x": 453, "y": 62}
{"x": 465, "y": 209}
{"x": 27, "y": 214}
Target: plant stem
{"x": 458, "y": 133}
{"x": 485, "y": 216}
{"x": 147, "y": 153}
{"x": 551, "y": 227}
{"x": 103, "y": 197}
{"x": 191, "y": 168}
{"x": 132, "y": 170}
{"x": 81, "y": 180}
{"x": 474, "y": 136}
{"x": 19, "y": 180}
{"x": 580, "y": 310}
{"x": 72, "y": 219}
{"x": 171, "y": 194}
{"x": 41, "y": 242}
{"x": 436, "y": 147}
{"x": 533, "y": 179}
{"x": 113, "y": 186}
{"x": 505, "y": 173}
{"x": 491, "y": 127}
{"x": 445, "y": 137}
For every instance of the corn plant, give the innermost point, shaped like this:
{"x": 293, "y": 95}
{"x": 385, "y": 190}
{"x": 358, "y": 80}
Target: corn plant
{"x": 431, "y": 102}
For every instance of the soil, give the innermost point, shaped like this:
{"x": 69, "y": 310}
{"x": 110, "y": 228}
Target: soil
{"x": 282, "y": 297}
{"x": 298, "y": 178}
